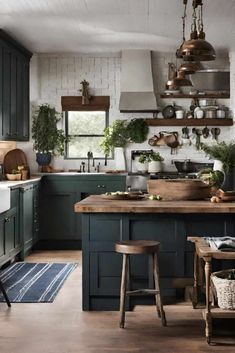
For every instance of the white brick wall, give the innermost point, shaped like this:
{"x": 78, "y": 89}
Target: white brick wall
{"x": 55, "y": 75}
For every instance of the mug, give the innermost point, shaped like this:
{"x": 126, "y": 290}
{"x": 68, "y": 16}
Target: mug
{"x": 179, "y": 114}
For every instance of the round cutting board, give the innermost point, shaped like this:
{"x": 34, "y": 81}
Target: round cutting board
{"x": 13, "y": 159}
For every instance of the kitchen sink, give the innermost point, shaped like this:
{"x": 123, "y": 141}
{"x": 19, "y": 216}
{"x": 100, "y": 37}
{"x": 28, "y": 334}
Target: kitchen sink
{"x": 5, "y": 198}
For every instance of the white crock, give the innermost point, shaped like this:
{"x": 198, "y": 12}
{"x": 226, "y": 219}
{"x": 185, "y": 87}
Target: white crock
{"x": 154, "y": 167}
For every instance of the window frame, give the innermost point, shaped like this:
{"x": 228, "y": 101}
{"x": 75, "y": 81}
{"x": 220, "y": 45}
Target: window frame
{"x": 66, "y": 114}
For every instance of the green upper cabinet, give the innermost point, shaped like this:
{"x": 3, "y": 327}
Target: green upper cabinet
{"x": 14, "y": 90}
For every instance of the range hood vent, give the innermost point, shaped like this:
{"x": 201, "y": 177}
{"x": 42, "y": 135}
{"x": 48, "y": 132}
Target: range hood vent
{"x": 137, "y": 92}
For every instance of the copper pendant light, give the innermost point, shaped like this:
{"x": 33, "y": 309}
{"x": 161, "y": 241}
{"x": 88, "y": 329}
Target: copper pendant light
{"x": 179, "y": 81}
{"x": 190, "y": 67}
{"x": 197, "y": 48}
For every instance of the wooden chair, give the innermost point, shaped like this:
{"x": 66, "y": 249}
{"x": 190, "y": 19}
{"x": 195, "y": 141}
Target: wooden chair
{"x": 2, "y": 289}
{"x": 134, "y": 247}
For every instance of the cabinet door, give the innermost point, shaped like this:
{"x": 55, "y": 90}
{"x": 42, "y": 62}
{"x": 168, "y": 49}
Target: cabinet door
{"x": 26, "y": 219}
{"x": 58, "y": 219}
{"x": 3, "y": 252}
{"x": 6, "y": 92}
{"x": 12, "y": 234}
{"x": 22, "y": 93}
{"x": 14, "y": 93}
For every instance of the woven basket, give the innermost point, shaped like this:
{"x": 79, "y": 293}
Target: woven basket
{"x": 225, "y": 289}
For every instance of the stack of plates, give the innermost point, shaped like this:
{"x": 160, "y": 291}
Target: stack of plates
{"x": 172, "y": 91}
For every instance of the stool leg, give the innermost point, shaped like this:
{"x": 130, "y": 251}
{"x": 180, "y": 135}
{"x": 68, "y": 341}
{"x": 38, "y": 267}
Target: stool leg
{"x": 125, "y": 275}
{"x": 2, "y": 289}
{"x": 157, "y": 287}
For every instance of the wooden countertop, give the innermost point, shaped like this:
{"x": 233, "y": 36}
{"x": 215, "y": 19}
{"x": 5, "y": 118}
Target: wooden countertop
{"x": 96, "y": 204}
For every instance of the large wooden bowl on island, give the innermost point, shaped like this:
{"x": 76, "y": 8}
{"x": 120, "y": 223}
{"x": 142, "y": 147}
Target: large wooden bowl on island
{"x": 179, "y": 189}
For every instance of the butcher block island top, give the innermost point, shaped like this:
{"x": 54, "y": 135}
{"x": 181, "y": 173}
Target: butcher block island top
{"x": 97, "y": 204}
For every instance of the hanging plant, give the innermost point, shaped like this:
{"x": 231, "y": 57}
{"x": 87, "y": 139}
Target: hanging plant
{"x": 137, "y": 130}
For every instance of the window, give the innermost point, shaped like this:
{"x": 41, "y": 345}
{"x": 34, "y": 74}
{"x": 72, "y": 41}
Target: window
{"x": 85, "y": 130}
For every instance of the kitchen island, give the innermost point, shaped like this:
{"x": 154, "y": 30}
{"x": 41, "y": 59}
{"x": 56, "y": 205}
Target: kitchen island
{"x": 105, "y": 222}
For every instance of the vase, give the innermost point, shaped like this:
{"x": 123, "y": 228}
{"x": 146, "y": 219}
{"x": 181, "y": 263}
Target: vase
{"x": 218, "y": 165}
{"x": 43, "y": 158}
{"x": 120, "y": 160}
{"x": 155, "y": 167}
{"x": 227, "y": 184}
{"x": 142, "y": 167}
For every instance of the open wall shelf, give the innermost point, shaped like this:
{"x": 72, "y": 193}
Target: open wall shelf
{"x": 190, "y": 122}
{"x": 199, "y": 96}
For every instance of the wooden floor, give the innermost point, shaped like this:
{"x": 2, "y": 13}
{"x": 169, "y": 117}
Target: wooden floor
{"x": 62, "y": 326}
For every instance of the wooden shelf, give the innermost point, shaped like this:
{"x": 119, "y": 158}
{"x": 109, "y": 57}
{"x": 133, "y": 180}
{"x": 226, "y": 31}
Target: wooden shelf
{"x": 190, "y": 122}
{"x": 199, "y": 96}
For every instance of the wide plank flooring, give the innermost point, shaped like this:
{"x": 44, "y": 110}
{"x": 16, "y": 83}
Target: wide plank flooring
{"x": 62, "y": 326}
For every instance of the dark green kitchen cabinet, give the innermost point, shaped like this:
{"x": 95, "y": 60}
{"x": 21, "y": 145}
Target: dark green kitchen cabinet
{"x": 29, "y": 216}
{"x": 10, "y": 237}
{"x": 60, "y": 226}
{"x": 14, "y": 89}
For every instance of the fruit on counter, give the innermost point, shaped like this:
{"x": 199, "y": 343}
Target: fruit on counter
{"x": 155, "y": 197}
{"x": 216, "y": 199}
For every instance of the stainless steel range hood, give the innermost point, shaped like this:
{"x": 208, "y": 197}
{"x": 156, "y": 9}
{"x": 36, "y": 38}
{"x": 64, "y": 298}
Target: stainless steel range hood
{"x": 137, "y": 92}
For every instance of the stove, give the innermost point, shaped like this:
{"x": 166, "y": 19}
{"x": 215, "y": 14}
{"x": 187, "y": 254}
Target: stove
{"x": 173, "y": 175}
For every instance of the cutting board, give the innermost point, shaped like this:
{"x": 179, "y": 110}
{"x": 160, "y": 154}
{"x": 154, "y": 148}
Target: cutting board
{"x": 13, "y": 159}
{"x": 179, "y": 189}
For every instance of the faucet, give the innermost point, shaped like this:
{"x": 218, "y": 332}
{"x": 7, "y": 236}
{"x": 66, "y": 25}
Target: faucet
{"x": 89, "y": 156}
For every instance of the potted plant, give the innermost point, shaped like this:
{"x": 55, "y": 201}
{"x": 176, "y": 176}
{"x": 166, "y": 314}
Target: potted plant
{"x": 225, "y": 153}
{"x": 137, "y": 130}
{"x": 116, "y": 138}
{"x": 143, "y": 162}
{"x": 155, "y": 162}
{"x": 48, "y": 139}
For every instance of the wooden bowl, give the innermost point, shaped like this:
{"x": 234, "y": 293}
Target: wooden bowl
{"x": 179, "y": 189}
{"x": 13, "y": 177}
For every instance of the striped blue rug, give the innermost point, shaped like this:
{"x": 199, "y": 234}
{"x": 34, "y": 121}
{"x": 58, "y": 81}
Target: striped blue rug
{"x": 34, "y": 282}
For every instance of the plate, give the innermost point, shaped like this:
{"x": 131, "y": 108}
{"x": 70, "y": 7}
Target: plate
{"x": 130, "y": 196}
{"x": 172, "y": 91}
{"x": 168, "y": 112}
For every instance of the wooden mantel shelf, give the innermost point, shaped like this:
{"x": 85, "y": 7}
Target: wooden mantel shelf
{"x": 199, "y": 96}
{"x": 190, "y": 122}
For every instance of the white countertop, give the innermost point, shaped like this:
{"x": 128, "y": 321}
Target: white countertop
{"x": 9, "y": 184}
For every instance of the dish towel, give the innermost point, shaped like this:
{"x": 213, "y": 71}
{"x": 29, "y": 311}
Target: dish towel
{"x": 221, "y": 243}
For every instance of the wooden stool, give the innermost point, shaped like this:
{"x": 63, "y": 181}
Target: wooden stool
{"x": 139, "y": 247}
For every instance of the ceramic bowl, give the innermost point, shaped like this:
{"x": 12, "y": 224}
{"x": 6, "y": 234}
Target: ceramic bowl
{"x": 13, "y": 177}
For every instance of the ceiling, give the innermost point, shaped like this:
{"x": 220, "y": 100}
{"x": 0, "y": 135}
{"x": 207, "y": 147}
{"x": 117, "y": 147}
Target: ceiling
{"x": 85, "y": 26}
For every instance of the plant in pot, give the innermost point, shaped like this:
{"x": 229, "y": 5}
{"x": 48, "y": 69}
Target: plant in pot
{"x": 155, "y": 162}
{"x": 116, "y": 138}
{"x": 143, "y": 162}
{"x": 48, "y": 139}
{"x": 137, "y": 130}
{"x": 225, "y": 153}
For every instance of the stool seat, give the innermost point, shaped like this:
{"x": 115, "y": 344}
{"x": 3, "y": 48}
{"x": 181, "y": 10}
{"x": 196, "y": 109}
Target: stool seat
{"x": 137, "y": 247}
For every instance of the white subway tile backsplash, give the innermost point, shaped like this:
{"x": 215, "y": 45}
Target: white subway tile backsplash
{"x": 58, "y": 75}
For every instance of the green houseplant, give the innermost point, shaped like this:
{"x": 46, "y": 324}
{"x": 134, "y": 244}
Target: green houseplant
{"x": 116, "y": 138}
{"x": 225, "y": 153}
{"x": 143, "y": 162}
{"x": 137, "y": 130}
{"x": 155, "y": 162}
{"x": 48, "y": 139}
{"x": 115, "y": 135}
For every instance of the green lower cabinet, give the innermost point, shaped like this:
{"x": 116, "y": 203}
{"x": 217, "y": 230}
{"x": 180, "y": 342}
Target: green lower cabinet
{"x": 10, "y": 238}
{"x": 29, "y": 221}
{"x": 60, "y": 226}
